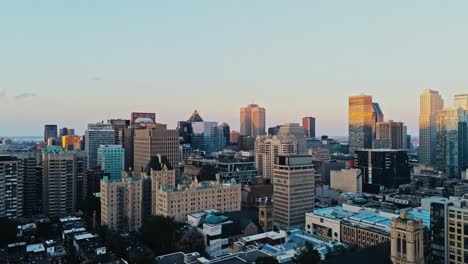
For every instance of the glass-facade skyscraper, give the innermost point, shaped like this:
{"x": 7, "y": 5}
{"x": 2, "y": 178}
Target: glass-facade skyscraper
{"x": 430, "y": 103}
{"x": 252, "y": 121}
{"x": 111, "y": 159}
{"x": 360, "y": 118}
{"x": 96, "y": 135}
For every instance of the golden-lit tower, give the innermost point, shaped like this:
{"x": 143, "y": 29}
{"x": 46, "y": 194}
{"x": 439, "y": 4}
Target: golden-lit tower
{"x": 360, "y": 118}
{"x": 430, "y": 103}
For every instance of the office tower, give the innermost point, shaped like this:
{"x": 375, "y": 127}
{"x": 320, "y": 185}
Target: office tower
{"x": 11, "y": 188}
{"x": 346, "y": 180}
{"x": 128, "y": 145}
{"x": 360, "y": 118}
{"x": 121, "y": 203}
{"x": 252, "y": 121}
{"x": 50, "y": 131}
{"x": 226, "y": 133}
{"x": 119, "y": 125}
{"x": 457, "y": 231}
{"x": 138, "y": 118}
{"x": 156, "y": 140}
{"x": 185, "y": 132}
{"x": 308, "y": 123}
{"x": 195, "y": 117}
{"x": 71, "y": 142}
{"x": 452, "y": 141}
{"x": 461, "y": 100}
{"x": 389, "y": 135}
{"x": 439, "y": 228}
{"x": 93, "y": 182}
{"x": 298, "y": 132}
{"x": 111, "y": 159}
{"x": 96, "y": 135}
{"x": 207, "y": 136}
{"x": 234, "y": 137}
{"x": 377, "y": 116}
{"x": 382, "y": 169}
{"x": 66, "y": 132}
{"x": 267, "y": 148}
{"x": 293, "y": 190}
{"x": 273, "y": 131}
{"x": 63, "y": 180}
{"x": 430, "y": 103}
{"x": 407, "y": 240}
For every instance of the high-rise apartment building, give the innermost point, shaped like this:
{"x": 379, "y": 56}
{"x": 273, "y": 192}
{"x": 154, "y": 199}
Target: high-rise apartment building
{"x": 156, "y": 140}
{"x": 252, "y": 121}
{"x": 407, "y": 240}
{"x": 361, "y": 120}
{"x": 390, "y": 135}
{"x": 11, "y": 187}
{"x": 121, "y": 203}
{"x": 430, "y": 103}
{"x": 309, "y": 125}
{"x": 50, "y": 131}
{"x": 119, "y": 125}
{"x": 111, "y": 159}
{"x": 293, "y": 190}
{"x": 63, "y": 180}
{"x": 382, "y": 169}
{"x": 96, "y": 135}
{"x": 267, "y": 148}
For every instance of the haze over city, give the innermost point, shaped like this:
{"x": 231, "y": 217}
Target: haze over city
{"x": 87, "y": 61}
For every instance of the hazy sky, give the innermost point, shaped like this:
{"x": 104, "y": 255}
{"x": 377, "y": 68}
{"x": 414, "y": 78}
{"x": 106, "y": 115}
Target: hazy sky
{"x": 74, "y": 62}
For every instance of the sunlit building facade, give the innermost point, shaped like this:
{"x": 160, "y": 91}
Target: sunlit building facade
{"x": 252, "y": 121}
{"x": 360, "y": 118}
{"x": 430, "y": 103}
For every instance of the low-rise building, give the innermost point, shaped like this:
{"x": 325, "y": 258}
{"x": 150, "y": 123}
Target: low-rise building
{"x": 346, "y": 180}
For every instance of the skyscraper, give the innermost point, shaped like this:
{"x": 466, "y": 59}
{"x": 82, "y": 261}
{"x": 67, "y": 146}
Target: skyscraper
{"x": 62, "y": 180}
{"x": 50, "y": 131}
{"x": 461, "y": 100}
{"x": 252, "y": 121}
{"x": 360, "y": 118}
{"x": 11, "y": 188}
{"x": 430, "y": 103}
{"x": 309, "y": 124}
{"x": 119, "y": 125}
{"x": 293, "y": 190}
{"x": 226, "y": 133}
{"x": 390, "y": 135}
{"x": 153, "y": 140}
{"x": 207, "y": 136}
{"x": 452, "y": 140}
{"x": 96, "y": 135}
{"x": 377, "y": 116}
{"x": 298, "y": 132}
{"x": 267, "y": 148}
{"x": 111, "y": 159}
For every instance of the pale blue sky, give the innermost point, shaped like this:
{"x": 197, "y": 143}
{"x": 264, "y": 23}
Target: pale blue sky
{"x": 74, "y": 62}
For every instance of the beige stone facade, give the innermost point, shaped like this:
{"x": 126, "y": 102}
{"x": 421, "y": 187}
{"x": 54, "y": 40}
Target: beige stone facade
{"x": 346, "y": 180}
{"x": 407, "y": 240}
{"x": 268, "y": 148}
{"x": 156, "y": 140}
{"x": 362, "y": 237}
{"x": 121, "y": 203}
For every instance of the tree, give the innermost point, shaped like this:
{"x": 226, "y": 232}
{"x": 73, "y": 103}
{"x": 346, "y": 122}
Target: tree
{"x": 266, "y": 260}
{"x": 158, "y": 232}
{"x": 307, "y": 255}
{"x": 7, "y": 231}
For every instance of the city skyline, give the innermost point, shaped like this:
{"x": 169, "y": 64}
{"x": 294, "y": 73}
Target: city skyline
{"x": 74, "y": 64}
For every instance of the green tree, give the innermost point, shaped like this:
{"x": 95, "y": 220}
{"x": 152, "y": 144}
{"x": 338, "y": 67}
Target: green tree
{"x": 7, "y": 232}
{"x": 158, "y": 232}
{"x": 266, "y": 260}
{"x": 307, "y": 255}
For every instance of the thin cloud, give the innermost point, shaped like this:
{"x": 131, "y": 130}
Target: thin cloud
{"x": 97, "y": 78}
{"x": 24, "y": 96}
{"x": 2, "y": 92}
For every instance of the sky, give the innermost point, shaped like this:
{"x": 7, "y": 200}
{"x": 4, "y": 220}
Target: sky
{"x": 75, "y": 62}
